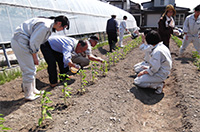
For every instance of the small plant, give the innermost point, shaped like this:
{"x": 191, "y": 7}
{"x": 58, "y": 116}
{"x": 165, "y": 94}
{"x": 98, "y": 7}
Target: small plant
{"x": 110, "y": 59}
{"x": 83, "y": 81}
{"x": 104, "y": 68}
{"x": 94, "y": 71}
{"x": 65, "y": 89}
{"x": 196, "y": 57}
{"x": 2, "y": 127}
{"x": 45, "y": 114}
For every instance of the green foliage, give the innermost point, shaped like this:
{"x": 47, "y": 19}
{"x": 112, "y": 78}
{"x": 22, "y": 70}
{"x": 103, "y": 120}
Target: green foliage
{"x": 45, "y": 114}
{"x": 100, "y": 45}
{"x": 65, "y": 89}
{"x": 104, "y": 68}
{"x": 41, "y": 66}
{"x": 177, "y": 41}
{"x": 7, "y": 76}
{"x": 196, "y": 57}
{"x": 2, "y": 127}
{"x": 83, "y": 81}
{"x": 94, "y": 71}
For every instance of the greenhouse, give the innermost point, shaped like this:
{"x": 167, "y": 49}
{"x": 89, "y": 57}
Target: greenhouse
{"x": 86, "y": 16}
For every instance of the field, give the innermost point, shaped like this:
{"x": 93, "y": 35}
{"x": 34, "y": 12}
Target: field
{"x": 113, "y": 103}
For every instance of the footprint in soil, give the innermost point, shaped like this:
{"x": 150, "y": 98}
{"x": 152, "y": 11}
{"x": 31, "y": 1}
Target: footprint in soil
{"x": 60, "y": 107}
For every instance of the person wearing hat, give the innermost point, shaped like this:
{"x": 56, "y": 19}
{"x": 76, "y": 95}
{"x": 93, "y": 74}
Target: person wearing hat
{"x": 26, "y": 43}
{"x": 166, "y": 24}
{"x": 59, "y": 49}
{"x": 83, "y": 59}
{"x": 191, "y": 29}
{"x": 111, "y": 30}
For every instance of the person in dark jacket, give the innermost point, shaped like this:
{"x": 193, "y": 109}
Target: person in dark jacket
{"x": 111, "y": 30}
{"x": 166, "y": 24}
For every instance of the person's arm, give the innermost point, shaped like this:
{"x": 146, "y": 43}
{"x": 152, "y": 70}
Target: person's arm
{"x": 94, "y": 58}
{"x": 185, "y": 28}
{"x": 155, "y": 63}
{"x": 35, "y": 59}
{"x": 38, "y": 37}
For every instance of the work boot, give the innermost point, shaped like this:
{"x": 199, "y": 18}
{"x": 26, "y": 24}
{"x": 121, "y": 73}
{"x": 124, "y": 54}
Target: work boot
{"x": 28, "y": 91}
{"x": 35, "y": 91}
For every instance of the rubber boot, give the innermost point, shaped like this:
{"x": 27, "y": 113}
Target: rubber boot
{"x": 35, "y": 91}
{"x": 28, "y": 90}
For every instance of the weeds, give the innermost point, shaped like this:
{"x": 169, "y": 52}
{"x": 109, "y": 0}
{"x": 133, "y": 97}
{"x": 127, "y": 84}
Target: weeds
{"x": 45, "y": 114}
{"x": 7, "y": 76}
{"x": 2, "y": 127}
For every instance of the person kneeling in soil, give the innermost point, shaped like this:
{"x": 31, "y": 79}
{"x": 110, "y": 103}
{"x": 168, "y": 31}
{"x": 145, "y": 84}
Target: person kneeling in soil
{"x": 59, "y": 49}
{"x": 147, "y": 49}
{"x": 160, "y": 65}
{"x": 81, "y": 58}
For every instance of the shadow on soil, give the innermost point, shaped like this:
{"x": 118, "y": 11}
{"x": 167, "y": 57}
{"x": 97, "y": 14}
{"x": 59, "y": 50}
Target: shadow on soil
{"x": 146, "y": 96}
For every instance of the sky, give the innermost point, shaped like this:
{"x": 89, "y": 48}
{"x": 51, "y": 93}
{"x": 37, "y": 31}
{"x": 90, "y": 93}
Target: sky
{"x": 181, "y": 3}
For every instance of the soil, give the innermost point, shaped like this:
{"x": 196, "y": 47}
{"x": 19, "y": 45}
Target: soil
{"x": 113, "y": 103}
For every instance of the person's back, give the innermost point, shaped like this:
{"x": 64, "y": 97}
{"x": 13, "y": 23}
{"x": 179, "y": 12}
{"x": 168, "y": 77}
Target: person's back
{"x": 61, "y": 43}
{"x": 111, "y": 25}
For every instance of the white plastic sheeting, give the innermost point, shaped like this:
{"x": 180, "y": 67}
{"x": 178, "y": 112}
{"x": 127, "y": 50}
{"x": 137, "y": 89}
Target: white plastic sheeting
{"x": 86, "y": 16}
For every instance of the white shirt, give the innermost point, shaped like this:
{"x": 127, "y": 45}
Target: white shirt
{"x": 160, "y": 61}
{"x": 191, "y": 26}
{"x": 34, "y": 32}
{"x": 122, "y": 26}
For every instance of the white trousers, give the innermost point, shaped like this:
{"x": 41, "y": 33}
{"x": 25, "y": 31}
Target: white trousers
{"x": 121, "y": 35}
{"x": 25, "y": 61}
{"x": 147, "y": 81}
{"x": 140, "y": 66}
{"x": 194, "y": 40}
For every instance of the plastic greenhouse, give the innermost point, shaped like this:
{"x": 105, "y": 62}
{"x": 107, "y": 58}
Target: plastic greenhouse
{"x": 86, "y": 16}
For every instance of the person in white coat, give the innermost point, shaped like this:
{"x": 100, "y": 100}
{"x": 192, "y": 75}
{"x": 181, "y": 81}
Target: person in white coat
{"x": 160, "y": 65}
{"x": 122, "y": 29}
{"x": 26, "y": 43}
{"x": 191, "y": 29}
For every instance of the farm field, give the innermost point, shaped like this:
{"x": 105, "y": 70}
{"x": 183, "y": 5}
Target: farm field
{"x": 113, "y": 103}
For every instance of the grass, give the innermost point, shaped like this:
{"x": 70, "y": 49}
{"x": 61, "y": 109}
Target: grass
{"x": 177, "y": 41}
{"x": 8, "y": 75}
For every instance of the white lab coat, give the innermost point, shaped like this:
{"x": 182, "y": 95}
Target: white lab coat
{"x": 192, "y": 28}
{"x": 160, "y": 65}
{"x": 27, "y": 40}
{"x": 122, "y": 28}
{"x": 144, "y": 64}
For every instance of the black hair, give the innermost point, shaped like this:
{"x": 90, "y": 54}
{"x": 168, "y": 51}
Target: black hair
{"x": 83, "y": 44}
{"x": 94, "y": 38}
{"x": 113, "y": 16}
{"x": 125, "y": 17}
{"x": 146, "y": 31}
{"x": 63, "y": 19}
{"x": 153, "y": 37}
{"x": 197, "y": 8}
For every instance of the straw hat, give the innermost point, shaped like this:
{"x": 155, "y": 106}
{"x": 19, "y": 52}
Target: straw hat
{"x": 169, "y": 7}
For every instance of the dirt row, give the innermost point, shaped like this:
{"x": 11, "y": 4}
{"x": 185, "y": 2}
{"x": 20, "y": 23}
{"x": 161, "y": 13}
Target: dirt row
{"x": 113, "y": 103}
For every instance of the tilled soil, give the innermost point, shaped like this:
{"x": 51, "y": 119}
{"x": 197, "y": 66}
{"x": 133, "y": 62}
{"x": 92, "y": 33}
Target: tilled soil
{"x": 113, "y": 103}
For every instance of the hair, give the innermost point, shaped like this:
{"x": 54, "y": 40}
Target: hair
{"x": 125, "y": 17}
{"x": 83, "y": 44}
{"x": 113, "y": 16}
{"x": 153, "y": 37}
{"x": 63, "y": 19}
{"x": 94, "y": 38}
{"x": 197, "y": 8}
{"x": 146, "y": 31}
{"x": 169, "y": 7}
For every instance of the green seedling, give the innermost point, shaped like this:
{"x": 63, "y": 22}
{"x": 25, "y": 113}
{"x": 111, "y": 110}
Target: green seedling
{"x": 104, "y": 68}
{"x": 110, "y": 59}
{"x": 2, "y": 127}
{"x": 65, "y": 89}
{"x": 83, "y": 81}
{"x": 94, "y": 72}
{"x": 196, "y": 57}
{"x": 45, "y": 114}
